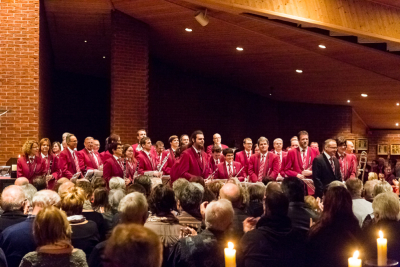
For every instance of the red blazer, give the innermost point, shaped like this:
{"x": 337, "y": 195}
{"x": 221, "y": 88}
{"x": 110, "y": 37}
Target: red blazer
{"x": 87, "y": 161}
{"x": 209, "y": 149}
{"x": 222, "y": 172}
{"x": 66, "y": 163}
{"x": 130, "y": 169}
{"x": 284, "y": 154}
{"x": 55, "y": 171}
{"x": 105, "y": 155}
{"x": 242, "y": 158}
{"x": 112, "y": 169}
{"x": 211, "y": 164}
{"x": 349, "y": 165}
{"x": 271, "y": 166}
{"x": 145, "y": 164}
{"x": 191, "y": 165}
{"x": 282, "y": 171}
{"x": 170, "y": 162}
{"x": 136, "y": 152}
{"x": 176, "y": 170}
{"x": 29, "y": 170}
{"x": 294, "y": 165}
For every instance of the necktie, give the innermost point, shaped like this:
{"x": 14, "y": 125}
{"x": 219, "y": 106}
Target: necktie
{"x": 261, "y": 170}
{"x": 76, "y": 163}
{"x": 332, "y": 164}
{"x": 304, "y": 160}
{"x": 151, "y": 161}
{"x": 31, "y": 159}
{"x": 95, "y": 159}
{"x": 217, "y": 162}
{"x": 121, "y": 164}
{"x": 201, "y": 159}
{"x": 342, "y": 165}
{"x": 279, "y": 161}
{"x": 229, "y": 170}
{"x": 248, "y": 155}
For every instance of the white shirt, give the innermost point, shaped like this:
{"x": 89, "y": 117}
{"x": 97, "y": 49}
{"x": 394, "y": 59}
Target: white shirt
{"x": 139, "y": 148}
{"x": 301, "y": 152}
{"x": 71, "y": 151}
{"x": 247, "y": 153}
{"x": 43, "y": 156}
{"x": 227, "y": 163}
{"x": 265, "y": 156}
{"x": 216, "y": 161}
{"x": 94, "y": 156}
{"x": 280, "y": 154}
{"x": 328, "y": 157}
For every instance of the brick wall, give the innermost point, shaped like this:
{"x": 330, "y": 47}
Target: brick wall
{"x": 129, "y": 76}
{"x": 19, "y": 75}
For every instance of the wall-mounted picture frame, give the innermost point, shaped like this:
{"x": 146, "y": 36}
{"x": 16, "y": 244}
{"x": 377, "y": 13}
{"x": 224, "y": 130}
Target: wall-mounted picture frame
{"x": 395, "y": 149}
{"x": 383, "y": 149}
{"x": 362, "y": 144}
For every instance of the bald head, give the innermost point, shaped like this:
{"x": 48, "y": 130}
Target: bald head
{"x": 21, "y": 181}
{"x": 12, "y": 198}
{"x": 231, "y": 192}
{"x": 65, "y": 187}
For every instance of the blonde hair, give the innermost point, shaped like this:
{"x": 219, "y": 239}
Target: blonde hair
{"x": 372, "y": 176}
{"x": 386, "y": 206}
{"x": 45, "y": 140}
{"x": 51, "y": 225}
{"x": 27, "y": 147}
{"x": 72, "y": 201}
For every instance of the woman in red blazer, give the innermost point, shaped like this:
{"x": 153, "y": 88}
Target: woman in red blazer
{"x": 130, "y": 164}
{"x": 49, "y": 161}
{"x": 29, "y": 164}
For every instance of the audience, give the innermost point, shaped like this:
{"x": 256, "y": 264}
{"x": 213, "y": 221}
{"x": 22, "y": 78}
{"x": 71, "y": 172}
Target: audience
{"x": 178, "y": 186}
{"x": 135, "y": 188}
{"x": 53, "y": 242}
{"x": 21, "y": 181}
{"x": 13, "y": 203}
{"x": 59, "y": 183}
{"x": 114, "y": 198}
{"x": 361, "y": 207}
{"x": 99, "y": 183}
{"x": 369, "y": 190}
{"x": 144, "y": 181}
{"x": 29, "y": 192}
{"x": 101, "y": 205}
{"x": 256, "y": 195}
{"x": 39, "y": 183}
{"x": 382, "y": 187}
{"x": 188, "y": 204}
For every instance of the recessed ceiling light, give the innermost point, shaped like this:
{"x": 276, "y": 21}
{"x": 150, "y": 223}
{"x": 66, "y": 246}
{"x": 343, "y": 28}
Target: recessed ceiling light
{"x": 322, "y": 46}
{"x": 364, "y": 95}
{"x": 239, "y": 48}
{"x": 398, "y": 104}
{"x": 104, "y": 56}
{"x": 85, "y": 41}
{"x": 348, "y": 101}
{"x": 188, "y": 30}
{"x": 270, "y": 94}
{"x": 299, "y": 71}
{"x": 397, "y": 124}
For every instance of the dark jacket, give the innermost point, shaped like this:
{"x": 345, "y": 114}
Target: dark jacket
{"x": 237, "y": 224}
{"x": 273, "y": 243}
{"x": 300, "y": 216}
{"x": 323, "y": 173}
{"x": 9, "y": 218}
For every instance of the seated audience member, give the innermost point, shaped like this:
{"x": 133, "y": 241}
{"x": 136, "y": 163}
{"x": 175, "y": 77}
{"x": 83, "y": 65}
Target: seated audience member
{"x": 144, "y": 181}
{"x": 53, "y": 242}
{"x": 231, "y": 192}
{"x": 369, "y": 190}
{"x": 99, "y": 183}
{"x": 361, "y": 207}
{"x": 274, "y": 242}
{"x": 372, "y": 176}
{"x": 162, "y": 221}
{"x": 215, "y": 186}
{"x": 382, "y": 187}
{"x": 188, "y": 204}
{"x": 114, "y": 166}
{"x": 389, "y": 176}
{"x": 133, "y": 245}
{"x": 298, "y": 213}
{"x": 230, "y": 168}
{"x": 312, "y": 204}
{"x": 336, "y": 232}
{"x": 133, "y": 208}
{"x": 135, "y": 188}
{"x": 178, "y": 186}
{"x": 205, "y": 249}
{"x": 102, "y": 206}
{"x": 256, "y": 195}
{"x": 114, "y": 199}
{"x": 13, "y": 204}
{"x": 117, "y": 183}
{"x": 21, "y": 181}
{"x": 18, "y": 240}
{"x": 272, "y": 187}
{"x": 386, "y": 219}
{"x": 29, "y": 192}
{"x": 84, "y": 232}
{"x": 29, "y": 164}
{"x": 39, "y": 183}
{"x": 59, "y": 183}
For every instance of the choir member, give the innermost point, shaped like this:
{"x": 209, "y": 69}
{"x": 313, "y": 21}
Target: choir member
{"x": 177, "y": 169}
{"x": 49, "y": 162}
{"x": 314, "y": 145}
{"x": 63, "y": 142}
{"x": 146, "y": 159}
{"x": 130, "y": 163}
{"x": 68, "y": 162}
{"x": 194, "y": 160}
{"x": 88, "y": 159}
{"x": 349, "y": 147}
{"x": 244, "y": 156}
{"x": 29, "y": 164}
{"x": 56, "y": 148}
{"x": 263, "y": 164}
{"x": 96, "y": 146}
{"x": 114, "y": 166}
{"x": 348, "y": 162}
{"x": 294, "y": 144}
{"x": 137, "y": 147}
{"x": 230, "y": 168}
{"x": 174, "y": 142}
{"x": 184, "y": 140}
{"x": 256, "y": 149}
{"x": 278, "y": 145}
{"x": 216, "y": 158}
{"x": 299, "y": 160}
{"x": 160, "y": 153}
{"x": 105, "y": 155}
{"x": 217, "y": 142}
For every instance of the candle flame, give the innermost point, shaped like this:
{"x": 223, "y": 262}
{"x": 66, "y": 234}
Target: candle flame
{"x": 356, "y": 254}
{"x": 19, "y": 156}
{"x": 380, "y": 234}
{"x": 230, "y": 245}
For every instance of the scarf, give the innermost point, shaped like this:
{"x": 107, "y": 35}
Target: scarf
{"x": 59, "y": 247}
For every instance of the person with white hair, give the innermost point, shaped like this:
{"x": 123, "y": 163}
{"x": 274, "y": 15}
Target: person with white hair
{"x": 18, "y": 240}
{"x": 205, "y": 249}
{"x": 369, "y": 190}
{"x": 386, "y": 207}
{"x": 188, "y": 204}
{"x": 29, "y": 191}
{"x": 361, "y": 207}
{"x": 13, "y": 202}
{"x": 382, "y": 187}
{"x": 117, "y": 183}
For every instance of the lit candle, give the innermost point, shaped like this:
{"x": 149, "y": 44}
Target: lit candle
{"x": 14, "y": 167}
{"x": 382, "y": 250}
{"x": 19, "y": 156}
{"x": 230, "y": 256}
{"x": 355, "y": 261}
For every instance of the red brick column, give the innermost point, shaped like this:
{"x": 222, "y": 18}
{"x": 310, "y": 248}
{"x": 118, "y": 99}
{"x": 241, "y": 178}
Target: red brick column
{"x": 129, "y": 76}
{"x": 19, "y": 75}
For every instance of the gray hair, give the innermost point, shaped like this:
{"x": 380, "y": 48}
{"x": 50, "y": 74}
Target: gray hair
{"x": 382, "y": 187}
{"x": 327, "y": 141}
{"x": 29, "y": 191}
{"x": 179, "y": 185}
{"x": 64, "y": 136}
{"x": 219, "y": 215}
{"x": 369, "y": 189}
{"x": 46, "y": 198}
{"x": 12, "y": 198}
{"x": 117, "y": 183}
{"x": 262, "y": 139}
{"x": 336, "y": 183}
{"x": 199, "y": 186}
{"x": 191, "y": 196}
{"x": 115, "y": 198}
{"x": 278, "y": 139}
{"x": 386, "y": 206}
{"x": 133, "y": 208}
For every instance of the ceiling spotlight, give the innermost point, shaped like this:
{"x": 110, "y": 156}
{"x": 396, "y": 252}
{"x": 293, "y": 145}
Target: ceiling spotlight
{"x": 322, "y": 46}
{"x": 188, "y": 30}
{"x": 104, "y": 56}
{"x": 85, "y": 41}
{"x": 398, "y": 104}
{"x": 364, "y": 95}
{"x": 201, "y": 17}
{"x": 299, "y": 71}
{"x": 348, "y": 101}
{"x": 239, "y": 48}
{"x": 397, "y": 124}
{"x": 270, "y": 94}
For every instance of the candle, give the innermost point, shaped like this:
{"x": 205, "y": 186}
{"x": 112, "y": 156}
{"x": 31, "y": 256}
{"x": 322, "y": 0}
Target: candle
{"x": 354, "y": 261}
{"x": 230, "y": 256}
{"x": 382, "y": 250}
{"x": 19, "y": 156}
{"x": 14, "y": 167}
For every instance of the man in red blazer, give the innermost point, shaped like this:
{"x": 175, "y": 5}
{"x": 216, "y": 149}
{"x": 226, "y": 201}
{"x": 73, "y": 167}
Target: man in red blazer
{"x": 184, "y": 140}
{"x": 114, "y": 166}
{"x": 217, "y": 142}
{"x": 194, "y": 161}
{"x": 229, "y": 168}
{"x": 244, "y": 156}
{"x": 88, "y": 159}
{"x": 278, "y": 145}
{"x": 299, "y": 160}
{"x": 349, "y": 147}
{"x": 69, "y": 162}
{"x": 146, "y": 160}
{"x": 174, "y": 142}
{"x": 348, "y": 162}
{"x": 216, "y": 158}
{"x": 137, "y": 147}
{"x": 263, "y": 164}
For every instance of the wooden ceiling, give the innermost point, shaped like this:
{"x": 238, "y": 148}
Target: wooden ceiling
{"x": 267, "y": 65}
